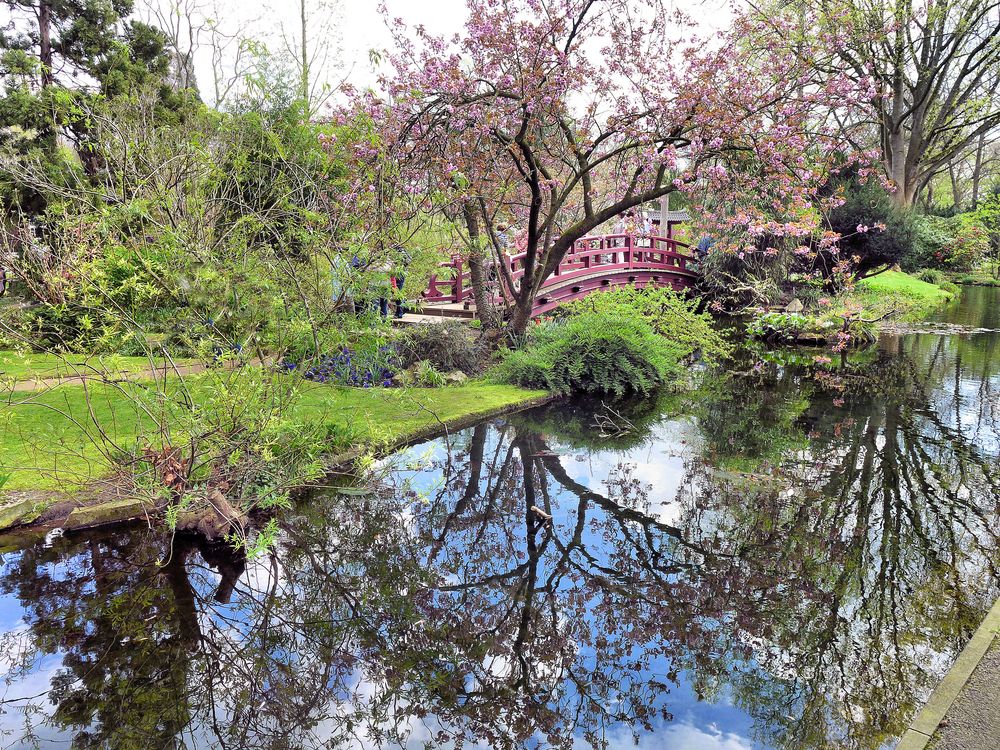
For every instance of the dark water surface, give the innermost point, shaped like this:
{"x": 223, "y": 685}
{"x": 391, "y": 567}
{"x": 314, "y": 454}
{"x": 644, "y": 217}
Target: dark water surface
{"x": 789, "y": 558}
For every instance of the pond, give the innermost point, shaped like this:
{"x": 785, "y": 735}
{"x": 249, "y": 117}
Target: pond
{"x": 789, "y": 557}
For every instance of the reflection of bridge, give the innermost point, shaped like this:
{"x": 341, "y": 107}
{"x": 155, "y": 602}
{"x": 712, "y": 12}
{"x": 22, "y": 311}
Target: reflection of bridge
{"x": 599, "y": 262}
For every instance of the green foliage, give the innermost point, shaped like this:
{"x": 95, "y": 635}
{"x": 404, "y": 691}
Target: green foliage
{"x": 668, "y": 313}
{"x": 931, "y": 276}
{"x": 449, "y": 345}
{"x": 988, "y": 214}
{"x": 957, "y": 243}
{"x": 92, "y": 41}
{"x": 186, "y": 249}
{"x": 867, "y": 204}
{"x": 950, "y": 287}
{"x": 594, "y": 352}
{"x": 781, "y": 325}
{"x": 427, "y": 375}
{"x": 233, "y": 434}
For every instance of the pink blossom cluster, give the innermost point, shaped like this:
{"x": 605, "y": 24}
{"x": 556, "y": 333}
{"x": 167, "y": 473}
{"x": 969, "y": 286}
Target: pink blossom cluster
{"x": 556, "y": 115}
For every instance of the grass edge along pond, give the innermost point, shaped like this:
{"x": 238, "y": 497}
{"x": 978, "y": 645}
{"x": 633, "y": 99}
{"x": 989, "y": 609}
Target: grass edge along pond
{"x": 56, "y": 445}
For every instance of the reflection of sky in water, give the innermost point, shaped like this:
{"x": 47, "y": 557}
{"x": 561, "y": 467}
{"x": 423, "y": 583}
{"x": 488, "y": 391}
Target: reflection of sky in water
{"x": 657, "y": 462}
{"x": 962, "y": 402}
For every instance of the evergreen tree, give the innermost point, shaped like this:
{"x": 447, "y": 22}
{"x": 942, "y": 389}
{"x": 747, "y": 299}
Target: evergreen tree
{"x": 57, "y": 58}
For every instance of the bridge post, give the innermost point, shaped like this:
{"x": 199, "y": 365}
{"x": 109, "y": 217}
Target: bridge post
{"x": 457, "y": 289}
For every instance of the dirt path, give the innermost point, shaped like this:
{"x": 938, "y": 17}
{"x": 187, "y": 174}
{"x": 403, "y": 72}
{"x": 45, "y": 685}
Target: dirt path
{"x": 43, "y": 384}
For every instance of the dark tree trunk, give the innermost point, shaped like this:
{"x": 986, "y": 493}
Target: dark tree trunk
{"x": 45, "y": 42}
{"x": 522, "y": 317}
{"x": 480, "y": 292}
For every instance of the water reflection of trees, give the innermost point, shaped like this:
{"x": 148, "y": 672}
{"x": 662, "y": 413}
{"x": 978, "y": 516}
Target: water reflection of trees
{"x": 889, "y": 517}
{"x": 814, "y": 592}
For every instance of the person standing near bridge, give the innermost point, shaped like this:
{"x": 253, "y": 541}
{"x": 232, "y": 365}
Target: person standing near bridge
{"x": 401, "y": 261}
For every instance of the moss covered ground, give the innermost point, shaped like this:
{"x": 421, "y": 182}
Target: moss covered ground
{"x": 899, "y": 292}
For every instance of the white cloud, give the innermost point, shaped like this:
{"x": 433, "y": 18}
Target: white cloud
{"x": 679, "y": 736}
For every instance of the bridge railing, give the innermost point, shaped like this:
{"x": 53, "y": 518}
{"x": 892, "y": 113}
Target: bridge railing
{"x": 589, "y": 256}
{"x": 455, "y": 289}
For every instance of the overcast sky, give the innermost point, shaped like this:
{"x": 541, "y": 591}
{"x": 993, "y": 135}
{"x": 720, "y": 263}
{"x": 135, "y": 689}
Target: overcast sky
{"x": 357, "y": 27}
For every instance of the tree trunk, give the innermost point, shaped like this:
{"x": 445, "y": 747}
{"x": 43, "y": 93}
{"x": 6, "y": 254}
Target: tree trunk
{"x": 522, "y": 314}
{"x": 480, "y": 291}
{"x": 304, "y": 52}
{"x": 896, "y": 167}
{"x": 977, "y": 170}
{"x": 45, "y": 42}
{"x": 956, "y": 190}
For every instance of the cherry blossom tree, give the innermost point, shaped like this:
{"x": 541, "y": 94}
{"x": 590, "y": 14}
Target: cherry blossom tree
{"x": 555, "y": 116}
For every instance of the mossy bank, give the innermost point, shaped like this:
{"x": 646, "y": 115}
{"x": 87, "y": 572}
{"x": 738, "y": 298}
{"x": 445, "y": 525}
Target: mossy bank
{"x": 57, "y": 448}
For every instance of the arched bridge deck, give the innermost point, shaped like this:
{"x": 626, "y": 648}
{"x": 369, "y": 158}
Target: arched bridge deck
{"x": 599, "y": 262}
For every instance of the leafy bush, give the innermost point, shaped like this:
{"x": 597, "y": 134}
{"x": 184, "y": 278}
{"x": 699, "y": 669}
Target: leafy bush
{"x": 427, "y": 375}
{"x": 225, "y": 449}
{"x": 594, "y": 352}
{"x": 889, "y": 238}
{"x": 668, "y": 313}
{"x": 449, "y": 345}
{"x": 931, "y": 276}
{"x": 949, "y": 286}
{"x": 958, "y": 243}
{"x": 780, "y": 325}
{"x": 733, "y": 282}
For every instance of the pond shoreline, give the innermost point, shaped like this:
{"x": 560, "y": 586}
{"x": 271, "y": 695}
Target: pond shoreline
{"x": 29, "y": 513}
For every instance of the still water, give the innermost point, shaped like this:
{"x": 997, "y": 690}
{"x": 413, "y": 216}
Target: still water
{"x": 790, "y": 557}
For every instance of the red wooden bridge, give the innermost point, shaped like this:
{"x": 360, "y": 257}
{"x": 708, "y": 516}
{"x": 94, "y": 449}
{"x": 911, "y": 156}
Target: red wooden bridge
{"x": 598, "y": 262}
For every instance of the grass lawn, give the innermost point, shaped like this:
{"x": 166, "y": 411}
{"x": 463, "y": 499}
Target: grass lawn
{"x": 895, "y": 290}
{"x": 50, "y": 440}
{"x": 18, "y": 366}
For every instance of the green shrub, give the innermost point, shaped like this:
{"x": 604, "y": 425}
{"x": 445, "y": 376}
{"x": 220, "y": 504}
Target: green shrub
{"x": 668, "y": 313}
{"x": 780, "y": 325}
{"x": 865, "y": 202}
{"x": 956, "y": 243}
{"x": 950, "y": 287}
{"x": 931, "y": 276}
{"x": 594, "y": 352}
{"x": 449, "y": 345}
{"x": 426, "y": 375}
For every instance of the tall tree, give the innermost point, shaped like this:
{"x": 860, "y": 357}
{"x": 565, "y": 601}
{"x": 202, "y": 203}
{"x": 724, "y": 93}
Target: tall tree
{"x": 65, "y": 37}
{"x": 312, "y": 46}
{"x": 937, "y": 64}
{"x": 56, "y": 53}
{"x": 556, "y": 116}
